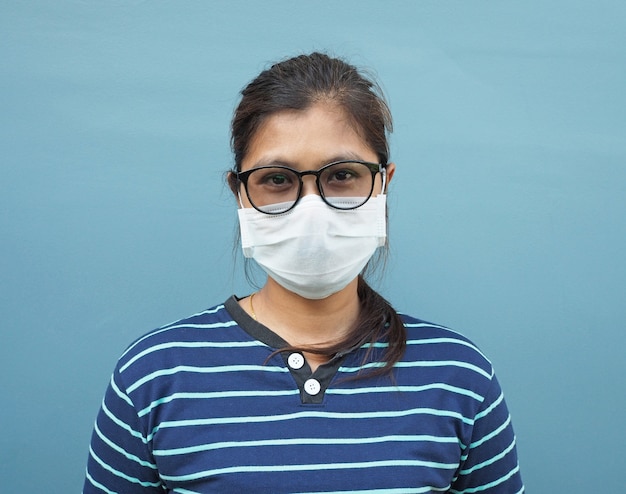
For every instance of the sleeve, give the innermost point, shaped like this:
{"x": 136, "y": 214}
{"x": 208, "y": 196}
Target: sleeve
{"x": 489, "y": 464}
{"x": 120, "y": 459}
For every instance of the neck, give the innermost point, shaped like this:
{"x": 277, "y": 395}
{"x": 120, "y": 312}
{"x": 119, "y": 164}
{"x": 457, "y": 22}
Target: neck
{"x": 301, "y": 321}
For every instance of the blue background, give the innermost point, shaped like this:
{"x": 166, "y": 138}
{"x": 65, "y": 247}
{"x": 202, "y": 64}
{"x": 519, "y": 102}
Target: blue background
{"x": 507, "y": 208}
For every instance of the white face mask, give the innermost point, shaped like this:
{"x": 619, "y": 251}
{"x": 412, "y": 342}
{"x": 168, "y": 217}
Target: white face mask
{"x": 314, "y": 250}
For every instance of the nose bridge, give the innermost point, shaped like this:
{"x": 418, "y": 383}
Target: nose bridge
{"x": 309, "y": 182}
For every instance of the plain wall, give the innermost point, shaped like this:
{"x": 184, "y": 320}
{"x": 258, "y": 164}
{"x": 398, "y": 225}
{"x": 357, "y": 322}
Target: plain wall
{"x": 507, "y": 210}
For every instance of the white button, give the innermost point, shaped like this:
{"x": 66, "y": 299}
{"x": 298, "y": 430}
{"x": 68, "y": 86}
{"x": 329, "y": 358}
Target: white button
{"x": 295, "y": 361}
{"x": 312, "y": 386}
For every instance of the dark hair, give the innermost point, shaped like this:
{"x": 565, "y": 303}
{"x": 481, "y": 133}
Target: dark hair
{"x": 296, "y": 84}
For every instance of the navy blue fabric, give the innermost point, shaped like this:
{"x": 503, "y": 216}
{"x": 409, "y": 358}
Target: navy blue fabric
{"x": 198, "y": 406}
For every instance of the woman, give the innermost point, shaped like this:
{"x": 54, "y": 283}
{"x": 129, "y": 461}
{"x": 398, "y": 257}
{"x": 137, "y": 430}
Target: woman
{"x": 314, "y": 383}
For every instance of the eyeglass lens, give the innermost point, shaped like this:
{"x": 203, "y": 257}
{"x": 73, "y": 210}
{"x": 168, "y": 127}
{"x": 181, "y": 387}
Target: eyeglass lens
{"x": 345, "y": 185}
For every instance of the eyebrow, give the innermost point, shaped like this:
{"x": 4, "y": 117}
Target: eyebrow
{"x": 348, "y": 156}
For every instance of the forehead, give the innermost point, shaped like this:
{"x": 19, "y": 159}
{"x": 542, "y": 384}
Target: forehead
{"x": 307, "y": 139}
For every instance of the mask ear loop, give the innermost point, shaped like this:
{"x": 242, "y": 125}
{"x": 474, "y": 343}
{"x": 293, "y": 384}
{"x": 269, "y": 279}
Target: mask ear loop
{"x": 239, "y": 196}
{"x": 383, "y": 172}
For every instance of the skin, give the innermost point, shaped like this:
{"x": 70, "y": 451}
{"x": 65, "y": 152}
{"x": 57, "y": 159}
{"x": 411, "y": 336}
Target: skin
{"x": 307, "y": 140}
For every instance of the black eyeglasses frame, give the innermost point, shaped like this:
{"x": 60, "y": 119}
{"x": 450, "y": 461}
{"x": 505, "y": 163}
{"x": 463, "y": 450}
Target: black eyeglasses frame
{"x": 242, "y": 178}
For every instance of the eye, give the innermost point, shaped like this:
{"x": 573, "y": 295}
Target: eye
{"x": 273, "y": 178}
{"x": 341, "y": 175}
{"x": 277, "y": 179}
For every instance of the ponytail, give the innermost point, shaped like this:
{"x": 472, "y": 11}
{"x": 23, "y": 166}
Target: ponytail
{"x": 378, "y": 321}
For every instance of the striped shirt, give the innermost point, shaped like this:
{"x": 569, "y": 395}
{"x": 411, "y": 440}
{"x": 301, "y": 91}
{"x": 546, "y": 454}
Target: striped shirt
{"x": 199, "y": 406}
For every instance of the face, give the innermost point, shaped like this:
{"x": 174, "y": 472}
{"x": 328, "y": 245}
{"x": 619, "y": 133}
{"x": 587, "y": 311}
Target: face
{"x": 308, "y": 140}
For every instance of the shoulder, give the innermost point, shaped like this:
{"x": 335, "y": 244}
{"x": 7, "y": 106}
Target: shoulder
{"x": 430, "y": 342}
{"x": 208, "y": 327}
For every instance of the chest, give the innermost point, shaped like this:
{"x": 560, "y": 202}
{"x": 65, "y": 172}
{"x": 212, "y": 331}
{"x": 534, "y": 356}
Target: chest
{"x": 273, "y": 443}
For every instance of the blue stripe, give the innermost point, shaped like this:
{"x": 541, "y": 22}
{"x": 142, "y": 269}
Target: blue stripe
{"x": 191, "y": 344}
{"x": 174, "y": 325}
{"x": 423, "y": 363}
{"x": 120, "y": 393}
{"x": 418, "y": 490}
{"x": 492, "y": 434}
{"x": 459, "y": 336}
{"x": 484, "y": 487}
{"x": 490, "y": 408}
{"x": 123, "y": 424}
{"x": 122, "y": 451}
{"x": 93, "y": 482}
{"x": 490, "y": 461}
{"x": 311, "y": 467}
{"x": 411, "y": 389}
{"x": 121, "y": 475}
{"x": 309, "y": 414}
{"x": 203, "y": 370}
{"x": 305, "y": 440}
{"x": 214, "y": 395}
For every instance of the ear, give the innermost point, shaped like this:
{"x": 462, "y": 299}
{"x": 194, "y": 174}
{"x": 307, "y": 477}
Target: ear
{"x": 391, "y": 169}
{"x": 231, "y": 179}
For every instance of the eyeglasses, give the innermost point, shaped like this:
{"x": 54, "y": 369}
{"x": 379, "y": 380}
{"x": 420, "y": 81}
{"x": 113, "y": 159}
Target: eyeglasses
{"x": 341, "y": 184}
